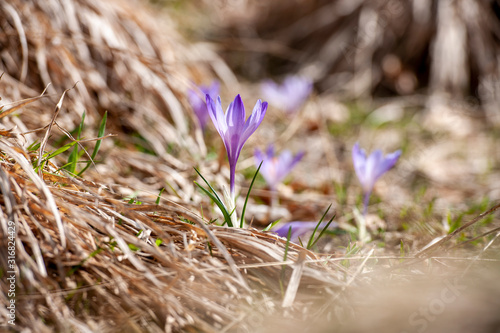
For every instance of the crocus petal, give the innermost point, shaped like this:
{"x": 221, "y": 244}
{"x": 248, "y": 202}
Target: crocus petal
{"x": 194, "y": 99}
{"x": 199, "y": 105}
{"x": 299, "y": 228}
{"x": 270, "y": 151}
{"x": 373, "y": 162}
{"x": 271, "y": 92}
{"x": 216, "y": 114}
{"x": 235, "y": 115}
{"x": 359, "y": 160}
{"x": 212, "y": 110}
{"x": 286, "y": 163}
{"x": 259, "y": 157}
{"x": 388, "y": 162}
{"x": 369, "y": 169}
{"x": 274, "y": 169}
{"x": 288, "y": 96}
{"x": 268, "y": 86}
{"x": 213, "y": 90}
{"x": 283, "y": 165}
{"x": 258, "y": 113}
{"x": 296, "y": 159}
{"x": 233, "y": 146}
{"x": 268, "y": 168}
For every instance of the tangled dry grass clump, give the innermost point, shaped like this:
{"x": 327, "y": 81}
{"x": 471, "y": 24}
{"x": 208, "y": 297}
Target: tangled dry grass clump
{"x": 108, "y": 251}
{"x": 118, "y": 60}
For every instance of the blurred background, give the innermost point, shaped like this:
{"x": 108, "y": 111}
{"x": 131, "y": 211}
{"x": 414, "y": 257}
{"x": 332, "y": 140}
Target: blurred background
{"x": 448, "y": 49}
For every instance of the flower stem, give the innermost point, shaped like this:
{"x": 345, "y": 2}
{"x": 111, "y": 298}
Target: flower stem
{"x": 365, "y": 202}
{"x": 234, "y": 217}
{"x": 232, "y": 172}
{"x": 230, "y": 201}
{"x": 274, "y": 196}
{"x": 273, "y": 201}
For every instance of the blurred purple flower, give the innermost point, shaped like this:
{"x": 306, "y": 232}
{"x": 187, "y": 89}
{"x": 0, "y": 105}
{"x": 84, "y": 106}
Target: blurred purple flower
{"x": 275, "y": 168}
{"x": 198, "y": 103}
{"x": 288, "y": 96}
{"x": 299, "y": 228}
{"x": 372, "y": 168}
{"x": 233, "y": 128}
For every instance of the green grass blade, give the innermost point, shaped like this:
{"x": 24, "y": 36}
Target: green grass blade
{"x": 159, "y": 196}
{"x": 323, "y": 231}
{"x": 232, "y": 212}
{"x": 208, "y": 184}
{"x": 73, "y": 157}
{"x": 248, "y": 195}
{"x": 34, "y": 146}
{"x": 100, "y": 134}
{"x": 210, "y": 248}
{"x": 285, "y": 257}
{"x": 215, "y": 198}
{"x": 72, "y": 160}
{"x": 65, "y": 167}
{"x": 60, "y": 150}
{"x": 288, "y": 236}
{"x": 309, "y": 244}
{"x": 80, "y": 128}
{"x": 270, "y": 225}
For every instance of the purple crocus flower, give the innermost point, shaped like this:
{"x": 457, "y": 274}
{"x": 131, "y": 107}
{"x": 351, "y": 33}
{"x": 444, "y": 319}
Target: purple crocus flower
{"x": 275, "y": 168}
{"x": 299, "y": 228}
{"x": 372, "y": 168}
{"x": 198, "y": 104}
{"x": 288, "y": 96}
{"x": 233, "y": 128}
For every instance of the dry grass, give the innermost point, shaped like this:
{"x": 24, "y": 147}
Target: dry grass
{"x": 91, "y": 259}
{"x": 88, "y": 259}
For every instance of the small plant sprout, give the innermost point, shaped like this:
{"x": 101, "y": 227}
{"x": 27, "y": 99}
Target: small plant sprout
{"x": 234, "y": 131}
{"x": 198, "y": 103}
{"x": 290, "y": 95}
{"x": 369, "y": 169}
